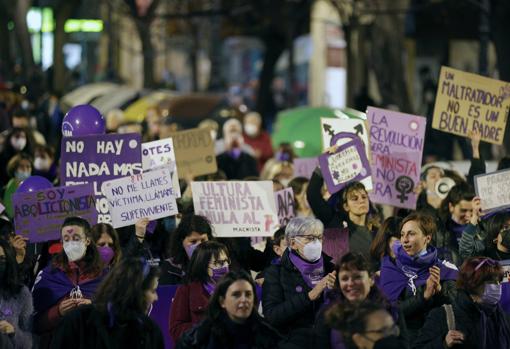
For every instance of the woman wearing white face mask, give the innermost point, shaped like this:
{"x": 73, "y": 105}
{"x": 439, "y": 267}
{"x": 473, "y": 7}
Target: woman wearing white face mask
{"x": 479, "y": 321}
{"x": 293, "y": 290}
{"x": 257, "y": 138}
{"x": 44, "y": 162}
{"x": 16, "y": 141}
{"x": 69, "y": 281}
{"x": 118, "y": 318}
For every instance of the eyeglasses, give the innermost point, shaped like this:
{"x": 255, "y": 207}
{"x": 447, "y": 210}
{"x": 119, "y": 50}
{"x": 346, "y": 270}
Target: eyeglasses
{"x": 220, "y": 262}
{"x": 310, "y": 238}
{"x": 488, "y": 261}
{"x": 386, "y": 331}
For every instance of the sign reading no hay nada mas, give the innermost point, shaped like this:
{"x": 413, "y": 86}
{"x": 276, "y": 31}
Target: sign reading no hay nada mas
{"x": 148, "y": 194}
{"x": 99, "y": 158}
{"x": 237, "y": 208}
{"x": 467, "y": 102}
{"x": 396, "y": 142}
{"x": 39, "y": 215}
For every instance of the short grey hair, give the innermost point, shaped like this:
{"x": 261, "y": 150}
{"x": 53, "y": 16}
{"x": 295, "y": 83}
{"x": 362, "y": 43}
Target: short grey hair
{"x": 302, "y": 226}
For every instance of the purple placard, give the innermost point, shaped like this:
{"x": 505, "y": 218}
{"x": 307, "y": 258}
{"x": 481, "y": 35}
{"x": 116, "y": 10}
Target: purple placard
{"x": 285, "y": 205}
{"x": 99, "y": 158}
{"x": 39, "y": 215}
{"x": 304, "y": 167}
{"x": 396, "y": 141}
{"x": 505, "y": 294}
{"x": 348, "y": 163}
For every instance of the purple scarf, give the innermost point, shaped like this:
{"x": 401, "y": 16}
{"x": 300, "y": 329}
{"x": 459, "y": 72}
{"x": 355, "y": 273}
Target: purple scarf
{"x": 312, "y": 273}
{"x": 52, "y": 284}
{"x": 411, "y": 272}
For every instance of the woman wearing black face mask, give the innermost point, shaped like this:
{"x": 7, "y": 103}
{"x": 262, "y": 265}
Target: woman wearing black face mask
{"x": 478, "y": 320}
{"x": 15, "y": 302}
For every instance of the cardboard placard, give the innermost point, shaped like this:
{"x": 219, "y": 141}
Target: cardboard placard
{"x": 493, "y": 190}
{"x": 194, "y": 151}
{"x": 145, "y": 195}
{"x": 39, "y": 215}
{"x": 99, "y": 158}
{"x": 349, "y": 163}
{"x": 396, "y": 141}
{"x": 285, "y": 205}
{"x": 158, "y": 154}
{"x": 237, "y": 208}
{"x": 330, "y": 127}
{"x": 304, "y": 167}
{"x": 465, "y": 102}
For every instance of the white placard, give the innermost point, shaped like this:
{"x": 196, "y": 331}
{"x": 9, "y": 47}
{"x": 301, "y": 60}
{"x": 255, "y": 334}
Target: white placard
{"x": 493, "y": 190}
{"x": 237, "y": 208}
{"x": 158, "y": 154}
{"x": 149, "y": 194}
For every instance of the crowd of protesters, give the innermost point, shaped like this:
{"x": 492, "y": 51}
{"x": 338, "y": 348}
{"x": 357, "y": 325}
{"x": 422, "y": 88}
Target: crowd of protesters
{"x": 427, "y": 278}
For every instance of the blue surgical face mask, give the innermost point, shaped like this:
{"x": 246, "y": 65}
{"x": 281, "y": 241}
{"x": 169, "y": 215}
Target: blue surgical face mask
{"x": 22, "y": 175}
{"x": 491, "y": 294}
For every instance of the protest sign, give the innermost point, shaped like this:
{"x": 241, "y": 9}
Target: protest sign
{"x": 505, "y": 286}
{"x": 493, "y": 190}
{"x": 348, "y": 163}
{"x": 161, "y": 154}
{"x": 99, "y": 158}
{"x": 467, "y": 102}
{"x": 237, "y": 208}
{"x": 39, "y": 215}
{"x": 304, "y": 167}
{"x": 330, "y": 127}
{"x": 194, "y": 151}
{"x": 396, "y": 141}
{"x": 285, "y": 205}
{"x": 144, "y": 195}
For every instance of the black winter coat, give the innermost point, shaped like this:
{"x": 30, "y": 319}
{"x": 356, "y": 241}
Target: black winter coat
{"x": 467, "y": 316}
{"x": 257, "y": 334}
{"x": 86, "y": 328}
{"x": 286, "y": 304}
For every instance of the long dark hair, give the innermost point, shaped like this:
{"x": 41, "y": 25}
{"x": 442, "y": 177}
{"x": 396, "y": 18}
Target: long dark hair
{"x": 103, "y": 228}
{"x": 493, "y": 226}
{"x": 11, "y": 284}
{"x": 380, "y": 245}
{"x": 122, "y": 292}
{"x": 92, "y": 261}
{"x": 189, "y": 223}
{"x": 197, "y": 267}
{"x": 216, "y": 313}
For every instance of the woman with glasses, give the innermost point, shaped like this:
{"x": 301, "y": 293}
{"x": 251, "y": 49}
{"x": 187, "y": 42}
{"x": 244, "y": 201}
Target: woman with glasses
{"x": 365, "y": 326}
{"x": 209, "y": 262}
{"x": 416, "y": 279}
{"x": 475, "y": 319}
{"x": 15, "y": 303}
{"x": 232, "y": 320}
{"x": 69, "y": 281}
{"x": 293, "y": 289}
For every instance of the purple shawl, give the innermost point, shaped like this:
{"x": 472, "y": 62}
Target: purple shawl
{"x": 52, "y": 284}
{"x": 411, "y": 272}
{"x": 312, "y": 273}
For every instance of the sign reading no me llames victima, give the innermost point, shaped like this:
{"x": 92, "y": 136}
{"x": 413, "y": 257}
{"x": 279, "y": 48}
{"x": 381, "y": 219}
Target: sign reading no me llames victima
{"x": 145, "y": 195}
{"x": 237, "y": 208}
{"x": 39, "y": 215}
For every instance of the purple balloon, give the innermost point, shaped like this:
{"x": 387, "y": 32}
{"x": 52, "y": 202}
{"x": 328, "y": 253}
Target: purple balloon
{"x": 83, "y": 120}
{"x": 34, "y": 183}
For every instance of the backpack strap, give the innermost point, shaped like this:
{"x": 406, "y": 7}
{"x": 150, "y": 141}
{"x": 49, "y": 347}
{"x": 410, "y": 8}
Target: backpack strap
{"x": 450, "y": 316}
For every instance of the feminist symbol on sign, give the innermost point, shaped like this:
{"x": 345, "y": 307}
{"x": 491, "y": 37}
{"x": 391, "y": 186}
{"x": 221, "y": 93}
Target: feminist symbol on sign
{"x": 404, "y": 185}
{"x": 268, "y": 222}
